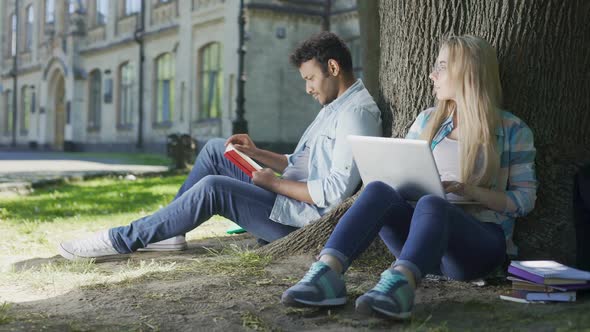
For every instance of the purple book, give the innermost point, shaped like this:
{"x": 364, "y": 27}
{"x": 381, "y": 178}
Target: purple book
{"x": 576, "y": 284}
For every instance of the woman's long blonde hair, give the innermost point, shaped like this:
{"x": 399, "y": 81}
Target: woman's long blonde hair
{"x": 473, "y": 68}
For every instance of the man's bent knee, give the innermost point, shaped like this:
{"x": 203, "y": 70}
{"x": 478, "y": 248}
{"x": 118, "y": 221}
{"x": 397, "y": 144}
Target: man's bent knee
{"x": 213, "y": 147}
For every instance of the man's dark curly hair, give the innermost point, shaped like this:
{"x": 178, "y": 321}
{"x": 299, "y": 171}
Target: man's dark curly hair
{"x": 323, "y": 47}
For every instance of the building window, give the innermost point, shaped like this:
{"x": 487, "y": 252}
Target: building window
{"x": 94, "y": 102}
{"x": 49, "y": 11}
{"x": 165, "y": 69}
{"x": 132, "y": 6}
{"x": 72, "y": 5}
{"x": 357, "y": 56}
{"x": 7, "y": 102}
{"x": 13, "y": 35}
{"x": 102, "y": 10}
{"x": 126, "y": 97}
{"x": 211, "y": 81}
{"x": 26, "y": 109}
{"x": 29, "y": 28}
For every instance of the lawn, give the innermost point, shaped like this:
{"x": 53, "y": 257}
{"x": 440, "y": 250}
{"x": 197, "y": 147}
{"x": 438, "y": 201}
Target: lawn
{"x": 219, "y": 284}
{"x": 151, "y": 159}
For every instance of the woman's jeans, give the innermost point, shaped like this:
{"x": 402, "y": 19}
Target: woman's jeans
{"x": 214, "y": 186}
{"x": 434, "y": 237}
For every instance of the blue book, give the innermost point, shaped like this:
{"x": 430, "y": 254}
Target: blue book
{"x": 550, "y": 273}
{"x": 539, "y": 297}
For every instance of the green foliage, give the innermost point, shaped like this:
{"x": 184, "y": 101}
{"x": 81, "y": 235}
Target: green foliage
{"x": 4, "y": 316}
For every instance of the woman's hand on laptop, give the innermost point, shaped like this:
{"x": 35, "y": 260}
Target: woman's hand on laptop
{"x": 495, "y": 200}
{"x": 454, "y": 187}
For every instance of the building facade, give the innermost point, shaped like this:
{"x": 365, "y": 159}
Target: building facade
{"x": 107, "y": 75}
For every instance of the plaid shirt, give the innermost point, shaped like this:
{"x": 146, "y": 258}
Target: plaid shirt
{"x": 517, "y": 169}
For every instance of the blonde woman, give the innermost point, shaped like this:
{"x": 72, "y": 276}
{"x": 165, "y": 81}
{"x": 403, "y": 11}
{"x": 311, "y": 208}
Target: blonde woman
{"x": 482, "y": 153}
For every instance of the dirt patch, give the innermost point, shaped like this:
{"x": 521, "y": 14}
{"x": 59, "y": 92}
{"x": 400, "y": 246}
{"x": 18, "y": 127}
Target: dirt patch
{"x": 219, "y": 285}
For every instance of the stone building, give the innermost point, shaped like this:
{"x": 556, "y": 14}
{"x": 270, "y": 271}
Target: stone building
{"x": 79, "y": 79}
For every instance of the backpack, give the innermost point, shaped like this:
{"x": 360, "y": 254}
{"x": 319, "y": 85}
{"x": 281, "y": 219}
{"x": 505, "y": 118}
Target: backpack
{"x": 582, "y": 217}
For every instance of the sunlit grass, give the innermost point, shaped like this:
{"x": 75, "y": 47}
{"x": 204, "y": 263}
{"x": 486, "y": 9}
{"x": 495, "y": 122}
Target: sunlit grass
{"x": 90, "y": 200}
{"x": 235, "y": 260}
{"x": 33, "y": 225}
{"x": 4, "y": 315}
{"x": 126, "y": 158}
{"x": 58, "y": 277}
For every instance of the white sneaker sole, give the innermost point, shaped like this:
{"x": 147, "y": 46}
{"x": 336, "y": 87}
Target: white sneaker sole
{"x": 401, "y": 315}
{"x": 367, "y": 309}
{"x": 72, "y": 257}
{"x": 324, "y": 303}
{"x": 164, "y": 247}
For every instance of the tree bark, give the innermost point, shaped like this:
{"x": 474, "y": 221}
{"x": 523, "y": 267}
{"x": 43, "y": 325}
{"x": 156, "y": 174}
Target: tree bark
{"x": 309, "y": 239}
{"x": 544, "y": 52}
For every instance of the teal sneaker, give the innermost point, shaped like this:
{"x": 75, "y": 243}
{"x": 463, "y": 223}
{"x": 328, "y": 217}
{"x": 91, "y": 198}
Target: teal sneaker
{"x": 321, "y": 286}
{"x": 392, "y": 296}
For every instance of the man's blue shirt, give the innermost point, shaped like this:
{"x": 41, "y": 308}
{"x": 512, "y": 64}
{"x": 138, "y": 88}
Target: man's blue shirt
{"x": 333, "y": 175}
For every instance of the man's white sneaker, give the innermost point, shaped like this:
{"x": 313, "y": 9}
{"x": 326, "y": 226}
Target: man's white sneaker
{"x": 97, "y": 245}
{"x": 176, "y": 243}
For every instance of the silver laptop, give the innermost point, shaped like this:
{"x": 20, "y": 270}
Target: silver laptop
{"x": 404, "y": 164}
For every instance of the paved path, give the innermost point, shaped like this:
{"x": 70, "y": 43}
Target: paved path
{"x": 19, "y": 171}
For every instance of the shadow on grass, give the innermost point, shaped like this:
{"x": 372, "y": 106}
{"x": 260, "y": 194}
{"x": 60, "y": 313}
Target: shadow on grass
{"x": 202, "y": 293}
{"x": 196, "y": 248}
{"x": 96, "y": 198}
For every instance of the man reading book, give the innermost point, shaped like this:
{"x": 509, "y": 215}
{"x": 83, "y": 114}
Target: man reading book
{"x": 316, "y": 177}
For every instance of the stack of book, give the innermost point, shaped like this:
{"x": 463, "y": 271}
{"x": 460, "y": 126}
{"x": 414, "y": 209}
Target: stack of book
{"x": 545, "y": 281}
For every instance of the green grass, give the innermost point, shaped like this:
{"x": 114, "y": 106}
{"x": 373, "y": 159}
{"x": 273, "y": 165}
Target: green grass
{"x": 4, "y": 316}
{"x": 237, "y": 261}
{"x": 37, "y": 222}
{"x": 126, "y": 158}
{"x": 88, "y": 200}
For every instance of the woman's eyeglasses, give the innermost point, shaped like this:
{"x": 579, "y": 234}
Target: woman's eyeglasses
{"x": 439, "y": 67}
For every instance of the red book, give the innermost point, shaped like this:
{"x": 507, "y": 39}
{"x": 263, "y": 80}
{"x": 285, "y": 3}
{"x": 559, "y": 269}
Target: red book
{"x": 239, "y": 159}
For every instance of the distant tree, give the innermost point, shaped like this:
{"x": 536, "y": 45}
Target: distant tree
{"x": 544, "y": 52}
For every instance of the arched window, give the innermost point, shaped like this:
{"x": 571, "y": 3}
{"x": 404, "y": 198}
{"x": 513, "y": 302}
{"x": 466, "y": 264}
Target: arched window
{"x": 126, "y": 97}
{"x": 94, "y": 100}
{"x": 165, "y": 72}
{"x": 26, "y": 108}
{"x": 210, "y": 81}
{"x": 29, "y": 28}
{"x": 7, "y": 103}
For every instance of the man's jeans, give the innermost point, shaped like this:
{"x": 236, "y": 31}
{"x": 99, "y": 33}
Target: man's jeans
{"x": 582, "y": 217}
{"x": 434, "y": 237}
{"x": 214, "y": 186}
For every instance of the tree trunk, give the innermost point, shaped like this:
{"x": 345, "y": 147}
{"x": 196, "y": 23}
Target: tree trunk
{"x": 544, "y": 52}
{"x": 309, "y": 239}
